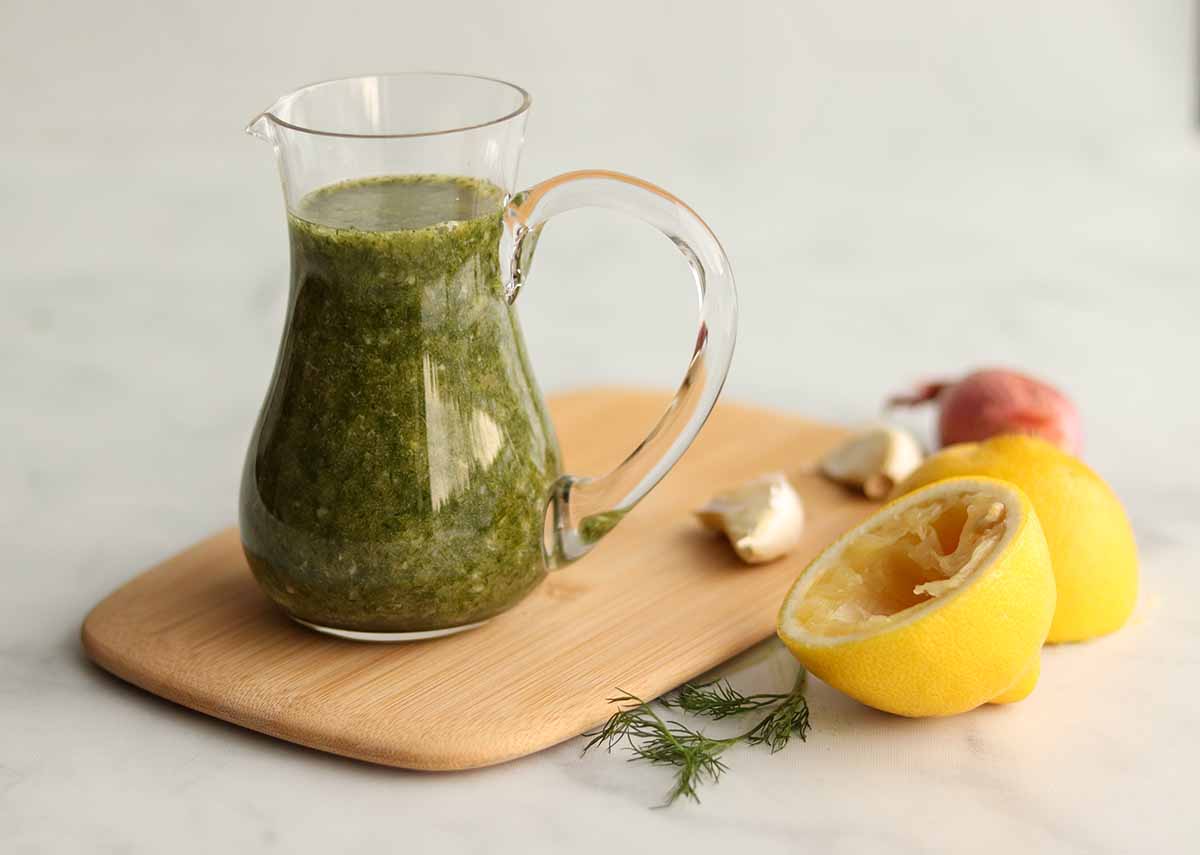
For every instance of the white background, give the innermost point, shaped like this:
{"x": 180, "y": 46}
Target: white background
{"x": 903, "y": 189}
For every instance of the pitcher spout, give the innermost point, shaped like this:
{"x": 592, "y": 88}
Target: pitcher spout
{"x": 262, "y": 127}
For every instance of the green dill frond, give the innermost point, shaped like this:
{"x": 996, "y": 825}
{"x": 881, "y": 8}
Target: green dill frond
{"x": 718, "y": 699}
{"x": 696, "y": 758}
{"x": 650, "y": 738}
{"x": 790, "y": 717}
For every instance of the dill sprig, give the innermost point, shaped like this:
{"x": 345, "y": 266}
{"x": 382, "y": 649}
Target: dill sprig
{"x": 717, "y": 700}
{"x": 662, "y": 743}
{"x": 696, "y": 758}
{"x": 790, "y": 717}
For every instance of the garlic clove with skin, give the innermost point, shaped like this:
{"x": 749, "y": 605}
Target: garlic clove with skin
{"x": 763, "y": 518}
{"x": 874, "y": 460}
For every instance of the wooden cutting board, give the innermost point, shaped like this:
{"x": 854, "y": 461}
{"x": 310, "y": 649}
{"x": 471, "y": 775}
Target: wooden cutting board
{"x": 658, "y": 602}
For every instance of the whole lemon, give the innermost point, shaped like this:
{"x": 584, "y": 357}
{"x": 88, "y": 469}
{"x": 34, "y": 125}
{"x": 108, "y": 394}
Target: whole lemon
{"x": 1091, "y": 541}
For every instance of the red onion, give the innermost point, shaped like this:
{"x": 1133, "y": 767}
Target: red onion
{"x": 996, "y": 401}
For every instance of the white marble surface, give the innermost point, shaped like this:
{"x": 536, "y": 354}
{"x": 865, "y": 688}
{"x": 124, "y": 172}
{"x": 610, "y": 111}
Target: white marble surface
{"x": 902, "y": 191}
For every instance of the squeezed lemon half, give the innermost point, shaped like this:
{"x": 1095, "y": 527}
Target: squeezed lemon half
{"x": 938, "y": 603}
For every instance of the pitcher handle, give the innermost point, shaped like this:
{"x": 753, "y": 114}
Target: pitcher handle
{"x": 582, "y": 510}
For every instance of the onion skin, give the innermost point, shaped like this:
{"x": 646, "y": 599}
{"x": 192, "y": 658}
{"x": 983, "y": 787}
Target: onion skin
{"x": 997, "y": 401}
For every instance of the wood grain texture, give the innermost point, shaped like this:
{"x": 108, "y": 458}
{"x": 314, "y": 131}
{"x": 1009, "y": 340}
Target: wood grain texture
{"x": 659, "y": 601}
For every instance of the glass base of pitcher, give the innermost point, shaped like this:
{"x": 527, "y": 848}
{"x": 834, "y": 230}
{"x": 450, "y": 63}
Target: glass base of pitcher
{"x": 357, "y": 635}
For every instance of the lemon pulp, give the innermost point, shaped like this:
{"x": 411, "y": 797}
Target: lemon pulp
{"x": 909, "y": 559}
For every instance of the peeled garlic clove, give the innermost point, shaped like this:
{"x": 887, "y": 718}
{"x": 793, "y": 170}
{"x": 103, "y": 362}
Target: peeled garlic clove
{"x": 874, "y": 460}
{"x": 763, "y": 518}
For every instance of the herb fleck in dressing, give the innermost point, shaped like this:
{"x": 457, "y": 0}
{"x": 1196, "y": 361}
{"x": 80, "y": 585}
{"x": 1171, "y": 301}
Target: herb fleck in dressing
{"x": 399, "y": 472}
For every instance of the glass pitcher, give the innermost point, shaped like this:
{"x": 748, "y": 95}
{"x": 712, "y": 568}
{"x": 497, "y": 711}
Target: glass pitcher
{"x": 404, "y": 480}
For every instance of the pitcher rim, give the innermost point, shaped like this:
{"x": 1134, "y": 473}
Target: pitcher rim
{"x": 526, "y": 102}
